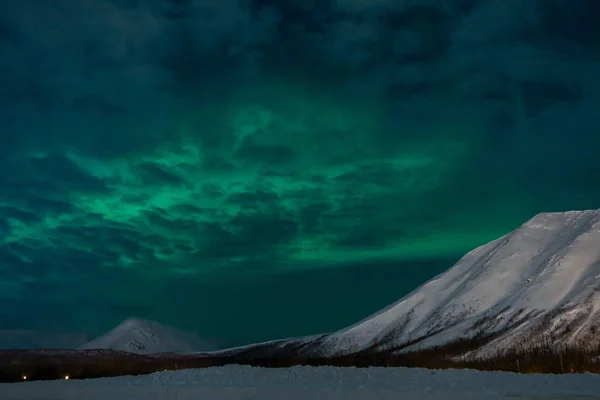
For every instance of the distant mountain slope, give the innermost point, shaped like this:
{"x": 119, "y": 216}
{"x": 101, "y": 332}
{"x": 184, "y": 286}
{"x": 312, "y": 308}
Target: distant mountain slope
{"x": 539, "y": 282}
{"x": 140, "y": 336}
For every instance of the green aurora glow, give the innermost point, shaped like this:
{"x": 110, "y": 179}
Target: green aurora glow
{"x": 292, "y": 193}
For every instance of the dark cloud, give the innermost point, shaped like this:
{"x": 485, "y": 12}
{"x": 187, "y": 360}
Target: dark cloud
{"x": 268, "y": 231}
{"x": 151, "y": 173}
{"x": 218, "y": 164}
{"x": 25, "y": 216}
{"x": 268, "y": 155}
{"x": 12, "y": 263}
{"x": 89, "y": 103}
{"x": 362, "y": 238}
{"x": 255, "y": 199}
{"x": 575, "y": 27}
{"x": 45, "y": 171}
{"x": 212, "y": 191}
{"x": 383, "y": 175}
{"x": 248, "y": 238}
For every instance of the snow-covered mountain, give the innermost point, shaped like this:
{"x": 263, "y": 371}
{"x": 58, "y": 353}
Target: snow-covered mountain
{"x": 539, "y": 282}
{"x": 140, "y": 336}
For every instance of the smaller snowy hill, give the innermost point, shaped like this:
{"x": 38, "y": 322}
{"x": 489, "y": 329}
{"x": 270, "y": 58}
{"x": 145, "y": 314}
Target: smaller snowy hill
{"x": 140, "y": 336}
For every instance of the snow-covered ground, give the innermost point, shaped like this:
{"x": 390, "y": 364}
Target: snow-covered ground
{"x": 314, "y": 383}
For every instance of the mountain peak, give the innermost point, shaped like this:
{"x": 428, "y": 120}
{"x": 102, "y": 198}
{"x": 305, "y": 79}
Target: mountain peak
{"x": 136, "y": 323}
{"x": 141, "y": 336}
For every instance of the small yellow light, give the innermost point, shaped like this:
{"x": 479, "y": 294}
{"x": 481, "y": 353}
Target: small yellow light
{"x": 24, "y": 377}
{"x": 66, "y": 377}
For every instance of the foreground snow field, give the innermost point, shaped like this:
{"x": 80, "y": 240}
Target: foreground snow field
{"x": 314, "y": 383}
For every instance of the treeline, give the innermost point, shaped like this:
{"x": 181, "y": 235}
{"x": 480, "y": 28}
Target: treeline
{"x": 534, "y": 357}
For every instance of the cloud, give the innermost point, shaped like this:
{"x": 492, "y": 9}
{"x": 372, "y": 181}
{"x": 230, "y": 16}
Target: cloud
{"x": 78, "y": 51}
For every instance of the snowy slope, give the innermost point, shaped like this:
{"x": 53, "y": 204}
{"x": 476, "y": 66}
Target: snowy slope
{"x": 540, "y": 281}
{"x": 144, "y": 337}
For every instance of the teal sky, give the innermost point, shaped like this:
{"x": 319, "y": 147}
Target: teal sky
{"x": 254, "y": 169}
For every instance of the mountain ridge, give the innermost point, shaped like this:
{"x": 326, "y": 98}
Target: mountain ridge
{"x": 545, "y": 272}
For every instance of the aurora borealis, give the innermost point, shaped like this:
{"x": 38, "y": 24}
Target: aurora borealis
{"x": 253, "y": 169}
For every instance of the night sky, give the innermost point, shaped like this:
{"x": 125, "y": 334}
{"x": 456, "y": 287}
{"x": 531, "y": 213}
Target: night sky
{"x": 256, "y": 169}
